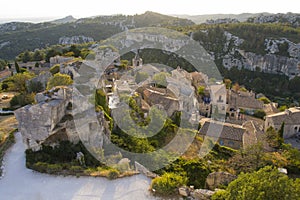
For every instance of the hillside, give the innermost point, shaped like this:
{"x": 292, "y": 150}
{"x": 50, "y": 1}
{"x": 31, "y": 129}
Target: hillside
{"x": 288, "y": 18}
{"x": 199, "y": 19}
{"x": 16, "y": 37}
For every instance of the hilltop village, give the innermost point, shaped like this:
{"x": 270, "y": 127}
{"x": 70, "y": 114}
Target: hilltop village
{"x": 243, "y": 114}
{"x": 236, "y": 119}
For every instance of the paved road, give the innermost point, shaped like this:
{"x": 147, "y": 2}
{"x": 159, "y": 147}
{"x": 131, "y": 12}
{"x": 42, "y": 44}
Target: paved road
{"x": 20, "y": 183}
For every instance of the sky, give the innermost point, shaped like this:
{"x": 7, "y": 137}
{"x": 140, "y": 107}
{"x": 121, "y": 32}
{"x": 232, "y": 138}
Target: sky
{"x": 50, "y": 9}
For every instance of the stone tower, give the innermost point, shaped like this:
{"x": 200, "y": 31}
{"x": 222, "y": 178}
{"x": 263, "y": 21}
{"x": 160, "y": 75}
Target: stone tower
{"x": 137, "y": 60}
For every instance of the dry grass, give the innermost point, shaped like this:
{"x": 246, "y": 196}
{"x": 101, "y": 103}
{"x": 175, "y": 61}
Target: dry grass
{"x": 7, "y": 124}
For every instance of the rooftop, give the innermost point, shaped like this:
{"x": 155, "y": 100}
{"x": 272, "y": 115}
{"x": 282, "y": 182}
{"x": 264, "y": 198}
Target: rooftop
{"x": 289, "y": 116}
{"x": 222, "y": 130}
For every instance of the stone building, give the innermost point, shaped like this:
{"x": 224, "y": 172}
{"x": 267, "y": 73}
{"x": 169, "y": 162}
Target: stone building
{"x": 52, "y": 120}
{"x": 137, "y": 60}
{"x": 245, "y": 101}
{"x": 290, "y": 118}
{"x": 218, "y": 101}
{"x": 225, "y": 134}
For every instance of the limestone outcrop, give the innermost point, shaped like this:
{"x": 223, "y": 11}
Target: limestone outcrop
{"x": 75, "y": 39}
{"x": 275, "y": 61}
{"x": 216, "y": 179}
{"x": 202, "y": 194}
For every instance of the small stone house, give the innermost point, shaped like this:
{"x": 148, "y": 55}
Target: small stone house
{"x": 291, "y": 119}
{"x": 226, "y": 134}
{"x": 243, "y": 101}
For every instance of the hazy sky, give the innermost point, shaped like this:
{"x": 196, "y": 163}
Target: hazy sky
{"x": 16, "y": 9}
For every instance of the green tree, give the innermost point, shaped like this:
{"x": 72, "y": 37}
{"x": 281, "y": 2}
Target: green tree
{"x": 266, "y": 184}
{"x": 249, "y": 159}
{"x": 161, "y": 79}
{"x": 75, "y": 50}
{"x": 22, "y": 99}
{"x": 281, "y": 131}
{"x": 100, "y": 100}
{"x": 26, "y": 57}
{"x": 19, "y": 81}
{"x": 17, "y": 67}
{"x": 59, "y": 80}
{"x": 141, "y": 76}
{"x": 51, "y": 53}
{"x": 273, "y": 138}
{"x": 36, "y": 65}
{"x": 4, "y": 86}
{"x": 294, "y": 84}
{"x": 38, "y": 55}
{"x": 3, "y": 64}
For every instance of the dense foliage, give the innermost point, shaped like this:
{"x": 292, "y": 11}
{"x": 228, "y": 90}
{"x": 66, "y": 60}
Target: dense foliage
{"x": 267, "y": 183}
{"x": 167, "y": 183}
{"x": 59, "y": 80}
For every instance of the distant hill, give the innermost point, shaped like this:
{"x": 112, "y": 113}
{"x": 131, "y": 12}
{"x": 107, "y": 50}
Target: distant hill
{"x": 199, "y": 19}
{"x": 67, "y": 19}
{"x": 16, "y": 37}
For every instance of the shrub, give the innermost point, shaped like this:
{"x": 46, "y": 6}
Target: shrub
{"x": 76, "y": 168}
{"x": 220, "y": 195}
{"x": 55, "y": 69}
{"x": 201, "y": 90}
{"x": 22, "y": 100}
{"x": 141, "y": 76}
{"x": 4, "y": 86}
{"x": 59, "y": 80}
{"x": 53, "y": 168}
{"x": 168, "y": 183}
{"x": 265, "y": 100}
{"x": 113, "y": 174}
{"x": 40, "y": 167}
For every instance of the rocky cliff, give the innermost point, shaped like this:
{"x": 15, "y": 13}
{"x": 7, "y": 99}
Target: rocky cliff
{"x": 282, "y": 56}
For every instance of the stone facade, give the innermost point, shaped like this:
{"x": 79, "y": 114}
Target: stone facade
{"x": 291, "y": 119}
{"x": 52, "y": 120}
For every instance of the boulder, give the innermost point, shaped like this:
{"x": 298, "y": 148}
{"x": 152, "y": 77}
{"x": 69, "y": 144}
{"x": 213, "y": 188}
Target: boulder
{"x": 184, "y": 191}
{"x": 215, "y": 179}
{"x": 202, "y": 194}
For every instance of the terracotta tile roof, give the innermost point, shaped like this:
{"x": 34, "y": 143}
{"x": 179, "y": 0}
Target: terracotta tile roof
{"x": 228, "y": 131}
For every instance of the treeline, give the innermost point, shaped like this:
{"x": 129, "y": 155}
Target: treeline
{"x": 49, "y": 35}
{"x": 80, "y": 50}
